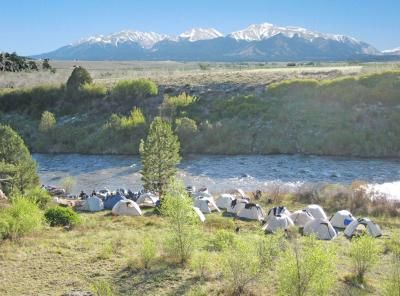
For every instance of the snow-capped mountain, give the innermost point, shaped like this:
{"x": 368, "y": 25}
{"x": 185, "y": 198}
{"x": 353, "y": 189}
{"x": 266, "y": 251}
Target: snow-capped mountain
{"x": 144, "y": 39}
{"x": 394, "y": 51}
{"x": 262, "y": 42}
{"x": 197, "y": 34}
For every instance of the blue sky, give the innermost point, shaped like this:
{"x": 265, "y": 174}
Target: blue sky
{"x": 37, "y": 26}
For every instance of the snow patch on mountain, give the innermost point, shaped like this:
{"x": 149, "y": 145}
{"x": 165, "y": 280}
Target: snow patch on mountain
{"x": 197, "y": 34}
{"x": 394, "y": 51}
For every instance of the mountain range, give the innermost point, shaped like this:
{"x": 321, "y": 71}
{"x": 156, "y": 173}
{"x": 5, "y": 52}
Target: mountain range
{"x": 261, "y": 42}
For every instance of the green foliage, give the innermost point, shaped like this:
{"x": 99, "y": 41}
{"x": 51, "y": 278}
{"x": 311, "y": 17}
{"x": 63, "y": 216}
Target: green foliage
{"x": 16, "y": 163}
{"x": 222, "y": 239}
{"x": 200, "y": 263}
{"x": 364, "y": 253}
{"x": 159, "y": 156}
{"x": 392, "y": 283}
{"x": 89, "y": 91}
{"x": 21, "y": 218}
{"x": 102, "y": 288}
{"x": 79, "y": 77}
{"x": 61, "y": 216}
{"x": 11, "y": 62}
{"x": 182, "y": 100}
{"x": 129, "y": 90}
{"x": 182, "y": 221}
{"x": 135, "y": 119}
{"x": 68, "y": 183}
{"x": 38, "y": 196}
{"x": 47, "y": 122}
{"x": 147, "y": 252}
{"x": 46, "y": 65}
{"x": 307, "y": 269}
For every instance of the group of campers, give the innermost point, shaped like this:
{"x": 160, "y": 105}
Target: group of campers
{"x": 312, "y": 220}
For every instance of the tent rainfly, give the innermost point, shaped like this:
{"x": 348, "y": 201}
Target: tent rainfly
{"x": 199, "y": 214}
{"x": 321, "y": 228}
{"x": 341, "y": 219}
{"x": 224, "y": 200}
{"x": 316, "y": 211}
{"x": 206, "y": 205}
{"x": 147, "y": 200}
{"x": 278, "y": 211}
{"x": 112, "y": 200}
{"x": 275, "y": 223}
{"x": 237, "y": 205}
{"x": 93, "y": 204}
{"x": 251, "y": 211}
{"x": 126, "y": 207}
{"x": 373, "y": 229}
{"x": 301, "y": 218}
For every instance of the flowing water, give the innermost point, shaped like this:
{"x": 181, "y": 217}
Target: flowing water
{"x": 221, "y": 173}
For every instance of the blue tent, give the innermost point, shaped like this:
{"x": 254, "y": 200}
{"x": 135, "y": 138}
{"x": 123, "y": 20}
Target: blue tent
{"x": 110, "y": 202}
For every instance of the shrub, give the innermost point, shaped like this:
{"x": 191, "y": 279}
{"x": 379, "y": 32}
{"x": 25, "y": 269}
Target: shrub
{"x": 364, "y": 253}
{"x": 60, "y": 216}
{"x": 147, "y": 252}
{"x": 68, "y": 183}
{"x": 134, "y": 89}
{"x": 182, "y": 100}
{"x": 177, "y": 207}
{"x": 78, "y": 78}
{"x": 135, "y": 119}
{"x": 47, "y": 122}
{"x": 22, "y": 217}
{"x": 222, "y": 240}
{"x": 39, "y": 196}
{"x": 306, "y": 269}
{"x": 89, "y": 90}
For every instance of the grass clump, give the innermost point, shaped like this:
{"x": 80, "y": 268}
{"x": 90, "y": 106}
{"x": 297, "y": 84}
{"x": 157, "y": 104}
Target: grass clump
{"x": 126, "y": 90}
{"x": 21, "y": 218}
{"x": 147, "y": 252}
{"x": 60, "y": 216}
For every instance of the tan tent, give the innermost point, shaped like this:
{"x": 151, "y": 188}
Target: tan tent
{"x": 301, "y": 218}
{"x": 373, "y": 229}
{"x": 126, "y": 207}
{"x": 275, "y": 223}
{"x": 341, "y": 219}
{"x": 251, "y": 211}
{"x": 237, "y": 205}
{"x": 224, "y": 200}
{"x": 321, "y": 228}
{"x": 316, "y": 211}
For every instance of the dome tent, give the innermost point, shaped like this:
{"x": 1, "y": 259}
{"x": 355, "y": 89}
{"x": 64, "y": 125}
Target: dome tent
{"x": 251, "y": 211}
{"x": 199, "y": 214}
{"x": 236, "y": 205}
{"x": 147, "y": 200}
{"x": 224, "y": 201}
{"x": 341, "y": 219}
{"x": 321, "y": 228}
{"x": 206, "y": 205}
{"x": 112, "y": 200}
{"x": 316, "y": 211}
{"x": 93, "y": 204}
{"x": 126, "y": 207}
{"x": 373, "y": 229}
{"x": 301, "y": 218}
{"x": 275, "y": 223}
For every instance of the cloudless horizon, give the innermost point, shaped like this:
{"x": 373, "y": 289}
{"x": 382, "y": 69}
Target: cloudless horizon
{"x": 33, "y": 27}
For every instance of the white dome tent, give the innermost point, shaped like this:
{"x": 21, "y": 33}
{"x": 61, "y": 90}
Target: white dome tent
{"x": 341, "y": 219}
{"x": 224, "y": 200}
{"x": 126, "y": 207}
{"x": 251, "y": 211}
{"x": 199, "y": 214}
{"x": 301, "y": 218}
{"x": 275, "y": 223}
{"x": 237, "y": 205}
{"x": 316, "y": 211}
{"x": 321, "y": 228}
{"x": 373, "y": 229}
{"x": 93, "y": 204}
{"x": 147, "y": 200}
{"x": 206, "y": 205}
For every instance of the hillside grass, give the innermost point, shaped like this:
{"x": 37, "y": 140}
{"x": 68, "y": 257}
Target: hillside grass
{"x": 104, "y": 249}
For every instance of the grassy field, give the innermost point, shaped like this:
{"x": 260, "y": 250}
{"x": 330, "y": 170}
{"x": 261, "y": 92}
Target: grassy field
{"x": 104, "y": 249}
{"x": 179, "y": 73}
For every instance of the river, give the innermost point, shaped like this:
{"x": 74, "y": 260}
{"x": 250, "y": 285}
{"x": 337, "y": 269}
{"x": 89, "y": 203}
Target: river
{"x": 220, "y": 173}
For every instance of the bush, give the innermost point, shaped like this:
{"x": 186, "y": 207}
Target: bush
{"x": 39, "y": 196}
{"x": 222, "y": 240}
{"x": 134, "y": 89}
{"x": 47, "y": 122}
{"x": 59, "y": 216}
{"x": 79, "y": 77}
{"x": 22, "y": 217}
{"x": 364, "y": 253}
{"x": 306, "y": 269}
{"x": 147, "y": 252}
{"x": 68, "y": 183}
{"x": 93, "y": 91}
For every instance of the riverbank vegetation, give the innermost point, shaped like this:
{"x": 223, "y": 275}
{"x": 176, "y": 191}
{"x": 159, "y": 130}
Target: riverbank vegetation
{"x": 343, "y": 116}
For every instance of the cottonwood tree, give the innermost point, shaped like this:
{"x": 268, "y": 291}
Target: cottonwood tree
{"x": 159, "y": 156}
{"x": 17, "y": 168}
